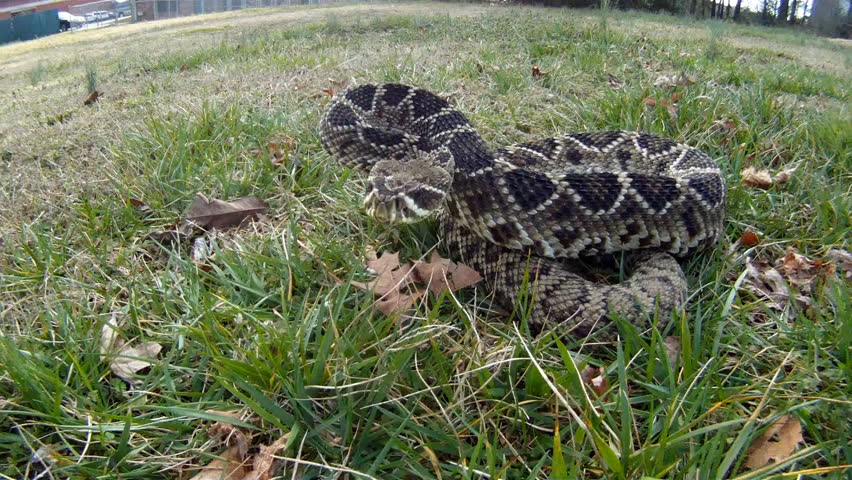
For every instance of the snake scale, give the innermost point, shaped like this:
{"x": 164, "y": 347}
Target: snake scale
{"x": 528, "y": 215}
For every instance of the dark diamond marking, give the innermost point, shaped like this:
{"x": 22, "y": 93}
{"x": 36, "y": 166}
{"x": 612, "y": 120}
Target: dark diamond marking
{"x": 427, "y": 104}
{"x": 655, "y": 191}
{"x": 572, "y": 155}
{"x": 382, "y": 138}
{"x": 655, "y": 145}
{"x": 691, "y": 225}
{"x": 598, "y": 191}
{"x": 504, "y": 233}
{"x": 362, "y": 96}
{"x": 709, "y": 187}
{"x": 530, "y": 189}
{"x": 566, "y": 237}
{"x": 394, "y": 93}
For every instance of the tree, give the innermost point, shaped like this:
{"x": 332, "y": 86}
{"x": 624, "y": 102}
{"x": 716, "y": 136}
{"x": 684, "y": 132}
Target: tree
{"x": 792, "y": 20}
{"x": 737, "y": 9}
{"x": 783, "y": 10}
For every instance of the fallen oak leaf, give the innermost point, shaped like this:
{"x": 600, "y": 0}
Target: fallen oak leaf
{"x": 264, "y": 461}
{"x": 441, "y": 274}
{"x": 776, "y": 444}
{"x": 130, "y": 360}
{"x": 92, "y": 98}
{"x": 218, "y": 214}
{"x": 754, "y": 178}
{"x": 230, "y": 466}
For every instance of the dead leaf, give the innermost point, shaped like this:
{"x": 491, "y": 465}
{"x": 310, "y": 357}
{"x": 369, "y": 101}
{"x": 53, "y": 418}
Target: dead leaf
{"x": 390, "y": 275}
{"x": 92, "y": 98}
{"x": 109, "y": 336}
{"x": 397, "y": 284}
{"x": 672, "y": 81}
{"x": 785, "y": 175}
{"x": 130, "y": 360}
{"x": 265, "y": 459}
{"x": 776, "y": 444}
{"x": 842, "y": 260}
{"x": 139, "y": 204}
{"x": 749, "y": 239}
{"x": 799, "y": 270}
{"x": 282, "y": 151}
{"x": 724, "y": 125}
{"x": 536, "y": 72}
{"x": 767, "y": 283}
{"x": 231, "y": 466}
{"x": 218, "y": 214}
{"x": 441, "y": 274}
{"x": 670, "y": 105}
{"x": 595, "y": 379}
{"x": 754, "y": 178}
{"x": 328, "y": 92}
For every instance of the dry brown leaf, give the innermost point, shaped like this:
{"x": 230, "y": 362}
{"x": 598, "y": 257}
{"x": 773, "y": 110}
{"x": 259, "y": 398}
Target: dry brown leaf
{"x": 130, "y": 360}
{"x": 754, "y": 178}
{"x": 218, "y": 214}
{"x": 766, "y": 283}
{"x": 536, "y": 72}
{"x": 231, "y": 466}
{"x": 671, "y": 81}
{"x": 110, "y": 341}
{"x": 92, "y": 98}
{"x": 265, "y": 459}
{"x": 776, "y": 444}
{"x": 396, "y": 284}
{"x": 442, "y": 274}
{"x": 282, "y": 151}
{"x": 595, "y": 379}
{"x": 785, "y": 175}
{"x": 390, "y": 275}
{"x": 396, "y": 302}
{"x": 723, "y": 125}
{"x": 749, "y": 239}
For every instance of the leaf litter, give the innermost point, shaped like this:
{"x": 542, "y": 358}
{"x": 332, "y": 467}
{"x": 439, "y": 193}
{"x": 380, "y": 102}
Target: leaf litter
{"x": 793, "y": 278}
{"x": 398, "y": 285}
{"x": 126, "y": 359}
{"x": 236, "y": 463}
{"x": 776, "y": 444}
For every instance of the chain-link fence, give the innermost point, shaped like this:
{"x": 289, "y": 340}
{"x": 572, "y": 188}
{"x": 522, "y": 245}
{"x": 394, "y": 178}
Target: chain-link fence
{"x": 103, "y": 12}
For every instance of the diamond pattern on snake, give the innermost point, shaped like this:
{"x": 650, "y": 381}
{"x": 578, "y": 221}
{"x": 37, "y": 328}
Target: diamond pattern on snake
{"x": 531, "y": 215}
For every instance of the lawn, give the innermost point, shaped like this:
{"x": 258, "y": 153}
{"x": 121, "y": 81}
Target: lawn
{"x": 245, "y": 337}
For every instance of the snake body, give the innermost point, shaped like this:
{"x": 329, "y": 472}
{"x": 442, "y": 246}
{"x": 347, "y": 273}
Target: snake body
{"x": 522, "y": 215}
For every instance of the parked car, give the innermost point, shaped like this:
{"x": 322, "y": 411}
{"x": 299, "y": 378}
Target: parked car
{"x": 68, "y": 21}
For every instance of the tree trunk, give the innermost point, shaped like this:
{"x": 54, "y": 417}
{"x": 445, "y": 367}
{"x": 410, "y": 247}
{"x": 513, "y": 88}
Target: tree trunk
{"x": 712, "y": 8}
{"x": 728, "y": 13}
{"x": 737, "y": 9}
{"x": 783, "y": 10}
{"x": 793, "y": 12}
{"x": 692, "y": 5}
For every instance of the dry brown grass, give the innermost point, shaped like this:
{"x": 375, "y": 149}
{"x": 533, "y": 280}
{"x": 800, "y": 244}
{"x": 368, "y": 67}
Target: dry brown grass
{"x": 47, "y": 167}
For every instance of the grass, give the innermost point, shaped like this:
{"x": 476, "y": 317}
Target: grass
{"x": 273, "y": 330}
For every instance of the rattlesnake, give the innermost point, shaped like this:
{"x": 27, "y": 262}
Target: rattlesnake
{"x": 523, "y": 214}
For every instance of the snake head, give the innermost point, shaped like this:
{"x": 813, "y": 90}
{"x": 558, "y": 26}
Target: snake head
{"x": 405, "y": 191}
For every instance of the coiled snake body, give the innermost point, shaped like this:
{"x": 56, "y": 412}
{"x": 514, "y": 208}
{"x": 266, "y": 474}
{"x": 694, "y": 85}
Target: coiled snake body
{"x": 520, "y": 214}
